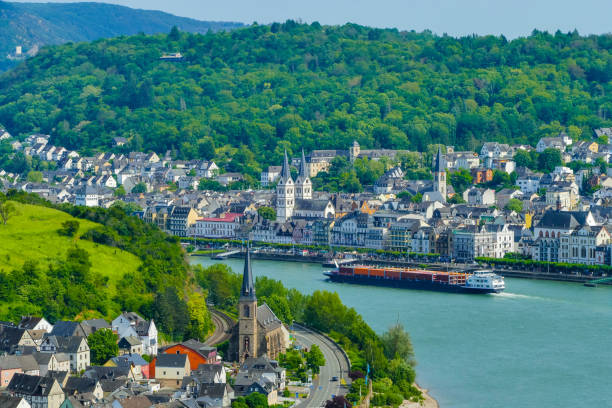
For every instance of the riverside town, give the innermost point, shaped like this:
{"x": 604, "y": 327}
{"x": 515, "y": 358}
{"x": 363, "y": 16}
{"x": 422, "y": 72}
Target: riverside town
{"x": 225, "y": 211}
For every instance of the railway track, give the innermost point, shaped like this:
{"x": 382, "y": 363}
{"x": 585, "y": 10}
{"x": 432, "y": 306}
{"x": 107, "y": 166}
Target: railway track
{"x": 223, "y": 324}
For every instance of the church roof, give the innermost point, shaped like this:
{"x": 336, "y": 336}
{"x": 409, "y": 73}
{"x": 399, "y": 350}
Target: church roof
{"x": 267, "y": 318}
{"x": 248, "y": 289}
{"x": 438, "y": 166}
{"x": 303, "y": 173}
{"x": 285, "y": 171}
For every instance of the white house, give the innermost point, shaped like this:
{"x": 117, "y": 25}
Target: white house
{"x": 207, "y": 169}
{"x": 270, "y": 175}
{"x": 479, "y": 196}
{"x": 217, "y": 227}
{"x": 87, "y": 196}
{"x": 130, "y": 323}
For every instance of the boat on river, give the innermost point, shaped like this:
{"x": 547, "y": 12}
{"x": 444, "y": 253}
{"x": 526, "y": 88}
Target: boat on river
{"x": 480, "y": 281}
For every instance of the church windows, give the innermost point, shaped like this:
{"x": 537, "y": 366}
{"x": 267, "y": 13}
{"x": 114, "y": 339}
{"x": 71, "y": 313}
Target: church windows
{"x": 246, "y": 311}
{"x": 247, "y": 344}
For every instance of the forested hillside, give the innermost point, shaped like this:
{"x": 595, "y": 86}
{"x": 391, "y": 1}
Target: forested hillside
{"x": 245, "y": 95}
{"x": 37, "y": 24}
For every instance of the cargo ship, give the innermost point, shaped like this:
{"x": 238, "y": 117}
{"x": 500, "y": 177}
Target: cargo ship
{"x": 482, "y": 281}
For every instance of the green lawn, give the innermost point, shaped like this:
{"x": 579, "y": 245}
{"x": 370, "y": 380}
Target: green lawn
{"x": 32, "y": 234}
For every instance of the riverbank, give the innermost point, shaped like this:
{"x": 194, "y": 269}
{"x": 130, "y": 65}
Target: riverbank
{"x": 429, "y": 401}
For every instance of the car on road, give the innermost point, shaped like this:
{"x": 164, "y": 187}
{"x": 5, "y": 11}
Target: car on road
{"x": 334, "y": 378}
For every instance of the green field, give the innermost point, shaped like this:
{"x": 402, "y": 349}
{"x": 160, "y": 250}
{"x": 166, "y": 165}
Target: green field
{"x": 33, "y": 234}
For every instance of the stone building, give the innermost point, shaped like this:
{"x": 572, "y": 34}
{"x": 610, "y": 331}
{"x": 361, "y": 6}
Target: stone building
{"x": 258, "y": 331}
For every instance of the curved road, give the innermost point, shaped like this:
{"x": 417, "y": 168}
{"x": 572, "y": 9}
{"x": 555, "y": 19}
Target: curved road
{"x": 336, "y": 365}
{"x": 223, "y": 324}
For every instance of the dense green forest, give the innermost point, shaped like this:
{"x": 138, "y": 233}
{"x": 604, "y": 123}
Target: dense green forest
{"x": 244, "y": 96}
{"x": 34, "y": 24}
{"x": 70, "y": 286}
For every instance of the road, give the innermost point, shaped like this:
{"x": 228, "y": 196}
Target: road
{"x": 336, "y": 365}
{"x": 223, "y": 323}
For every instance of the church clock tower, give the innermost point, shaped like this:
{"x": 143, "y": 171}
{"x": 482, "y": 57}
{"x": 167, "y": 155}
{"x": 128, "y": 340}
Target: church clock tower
{"x": 247, "y": 314}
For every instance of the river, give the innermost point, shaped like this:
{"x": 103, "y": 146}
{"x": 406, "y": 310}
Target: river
{"x": 539, "y": 344}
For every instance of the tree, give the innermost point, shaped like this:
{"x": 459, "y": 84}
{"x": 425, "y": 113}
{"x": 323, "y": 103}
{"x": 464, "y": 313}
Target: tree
{"x": 549, "y": 159}
{"x": 460, "y": 180}
{"x": 139, "y": 188}
{"x": 515, "y": 205}
{"x": 7, "y": 210}
{"x": 208, "y": 184}
{"x": 523, "y": 158}
{"x": 456, "y": 199}
{"x": 35, "y": 176}
{"x": 396, "y": 343}
{"x": 69, "y": 228}
{"x": 171, "y": 312}
{"x": 120, "y": 191}
{"x": 315, "y": 359}
{"x": 256, "y": 400}
{"x": 175, "y": 34}
{"x": 267, "y": 213}
{"x": 102, "y": 345}
{"x": 417, "y": 198}
{"x": 339, "y": 401}
{"x": 200, "y": 323}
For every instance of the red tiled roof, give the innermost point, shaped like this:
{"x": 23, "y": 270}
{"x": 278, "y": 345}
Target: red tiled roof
{"x": 229, "y": 217}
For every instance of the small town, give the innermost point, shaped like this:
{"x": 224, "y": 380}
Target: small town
{"x": 123, "y": 364}
{"x": 485, "y": 204}
{"x": 315, "y": 204}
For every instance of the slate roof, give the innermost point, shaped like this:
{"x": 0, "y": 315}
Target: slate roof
{"x": 206, "y": 373}
{"x": 79, "y": 385}
{"x": 31, "y": 385}
{"x": 10, "y": 337}
{"x": 67, "y": 328}
{"x": 311, "y": 205}
{"x": 267, "y": 318}
{"x": 171, "y": 360}
{"x": 248, "y": 288}
{"x": 128, "y": 359}
{"x": 563, "y": 219}
{"x": 101, "y": 372}
{"x": 29, "y": 322}
{"x": 68, "y": 344}
{"x": 129, "y": 341}
{"x": 216, "y": 391}
{"x": 93, "y": 325}
{"x": 7, "y": 401}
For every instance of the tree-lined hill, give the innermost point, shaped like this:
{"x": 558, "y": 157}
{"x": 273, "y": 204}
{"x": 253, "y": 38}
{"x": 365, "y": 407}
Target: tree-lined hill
{"x": 245, "y": 95}
{"x": 37, "y": 24}
{"x": 67, "y": 262}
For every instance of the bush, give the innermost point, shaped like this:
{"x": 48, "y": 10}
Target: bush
{"x": 69, "y": 228}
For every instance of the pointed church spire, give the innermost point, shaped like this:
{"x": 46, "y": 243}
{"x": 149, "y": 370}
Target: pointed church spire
{"x": 438, "y": 165}
{"x": 248, "y": 289}
{"x": 303, "y": 166}
{"x": 285, "y": 172}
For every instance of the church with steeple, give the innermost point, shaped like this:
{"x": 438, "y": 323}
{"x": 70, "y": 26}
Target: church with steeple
{"x": 285, "y": 193}
{"x": 258, "y": 331}
{"x": 439, "y": 174}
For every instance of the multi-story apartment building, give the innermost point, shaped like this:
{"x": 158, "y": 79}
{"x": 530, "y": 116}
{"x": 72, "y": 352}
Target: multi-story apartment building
{"x": 488, "y": 240}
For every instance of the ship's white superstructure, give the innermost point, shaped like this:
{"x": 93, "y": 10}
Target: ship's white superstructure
{"x": 485, "y": 280}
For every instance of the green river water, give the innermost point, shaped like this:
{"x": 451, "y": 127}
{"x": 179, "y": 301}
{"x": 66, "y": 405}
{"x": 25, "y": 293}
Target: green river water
{"x": 538, "y": 344}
